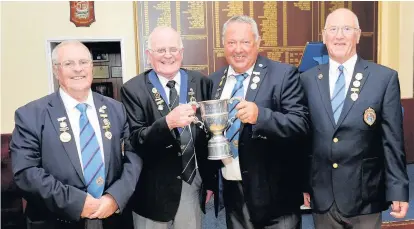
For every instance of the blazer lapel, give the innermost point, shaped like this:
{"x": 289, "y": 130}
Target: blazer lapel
{"x": 360, "y": 70}
{"x": 157, "y": 96}
{"x": 322, "y": 80}
{"x": 191, "y": 96}
{"x": 102, "y": 111}
{"x": 217, "y": 90}
{"x": 57, "y": 111}
{"x": 256, "y": 79}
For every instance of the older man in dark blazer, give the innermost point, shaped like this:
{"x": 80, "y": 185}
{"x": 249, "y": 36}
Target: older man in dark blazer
{"x": 357, "y": 147}
{"x": 70, "y": 152}
{"x": 175, "y": 150}
{"x": 262, "y": 182}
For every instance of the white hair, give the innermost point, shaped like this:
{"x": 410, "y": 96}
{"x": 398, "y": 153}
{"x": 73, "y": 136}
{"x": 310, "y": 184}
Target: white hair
{"x": 242, "y": 19}
{"x": 64, "y": 43}
{"x": 149, "y": 41}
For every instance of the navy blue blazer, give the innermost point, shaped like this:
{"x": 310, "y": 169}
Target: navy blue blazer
{"x": 270, "y": 153}
{"x": 48, "y": 171}
{"x": 359, "y": 163}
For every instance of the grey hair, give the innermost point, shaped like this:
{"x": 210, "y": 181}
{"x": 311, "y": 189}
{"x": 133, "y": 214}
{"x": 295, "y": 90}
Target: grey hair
{"x": 64, "y": 43}
{"x": 242, "y": 19}
{"x": 355, "y": 17}
{"x": 149, "y": 41}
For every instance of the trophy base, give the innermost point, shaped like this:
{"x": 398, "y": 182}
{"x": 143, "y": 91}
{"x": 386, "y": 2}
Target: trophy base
{"x": 218, "y": 148}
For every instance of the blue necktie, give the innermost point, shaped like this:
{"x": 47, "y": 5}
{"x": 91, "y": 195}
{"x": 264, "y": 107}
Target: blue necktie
{"x": 93, "y": 166}
{"x": 233, "y": 130}
{"x": 338, "y": 96}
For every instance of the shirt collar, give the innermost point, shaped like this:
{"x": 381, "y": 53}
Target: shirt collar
{"x": 164, "y": 81}
{"x": 231, "y": 72}
{"x": 349, "y": 64}
{"x": 71, "y": 103}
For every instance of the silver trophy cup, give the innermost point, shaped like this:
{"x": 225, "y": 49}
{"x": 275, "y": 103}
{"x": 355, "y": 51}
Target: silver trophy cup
{"x": 215, "y": 115}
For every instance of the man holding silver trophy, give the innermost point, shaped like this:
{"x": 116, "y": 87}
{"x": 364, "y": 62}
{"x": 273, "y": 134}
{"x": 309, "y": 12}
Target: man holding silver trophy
{"x": 262, "y": 185}
{"x": 176, "y": 170}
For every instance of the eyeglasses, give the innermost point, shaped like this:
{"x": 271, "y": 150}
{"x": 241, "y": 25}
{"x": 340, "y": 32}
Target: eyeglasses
{"x": 70, "y": 64}
{"x": 163, "y": 51}
{"x": 346, "y": 30}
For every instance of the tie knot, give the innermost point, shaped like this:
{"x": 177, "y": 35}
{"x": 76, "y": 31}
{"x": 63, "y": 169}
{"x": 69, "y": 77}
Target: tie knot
{"x": 341, "y": 68}
{"x": 82, "y": 107}
{"x": 171, "y": 84}
{"x": 241, "y": 77}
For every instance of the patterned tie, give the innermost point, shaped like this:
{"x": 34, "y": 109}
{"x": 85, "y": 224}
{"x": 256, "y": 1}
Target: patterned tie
{"x": 338, "y": 96}
{"x": 232, "y": 133}
{"x": 93, "y": 166}
{"x": 187, "y": 146}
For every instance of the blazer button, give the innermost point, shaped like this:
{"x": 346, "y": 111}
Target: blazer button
{"x": 179, "y": 154}
{"x": 335, "y": 165}
{"x": 335, "y": 140}
{"x": 179, "y": 177}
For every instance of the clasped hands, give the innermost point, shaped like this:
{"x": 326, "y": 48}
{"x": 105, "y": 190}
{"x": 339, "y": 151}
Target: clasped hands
{"x": 100, "y": 208}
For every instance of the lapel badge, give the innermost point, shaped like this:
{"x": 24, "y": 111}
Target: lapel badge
{"x": 354, "y": 96}
{"x": 108, "y": 134}
{"x": 256, "y": 73}
{"x": 253, "y": 86}
{"x": 106, "y": 122}
{"x": 356, "y": 83}
{"x": 320, "y": 76}
{"x": 103, "y": 115}
{"x": 160, "y": 107}
{"x": 256, "y": 79}
{"x": 61, "y": 119}
{"x": 102, "y": 109}
{"x": 222, "y": 79}
{"x": 370, "y": 116}
{"x": 65, "y": 137}
{"x": 358, "y": 76}
{"x": 154, "y": 90}
{"x": 260, "y": 65}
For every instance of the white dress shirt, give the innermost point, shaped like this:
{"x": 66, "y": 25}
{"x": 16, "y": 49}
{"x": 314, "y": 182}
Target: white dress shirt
{"x": 231, "y": 170}
{"x": 164, "y": 81}
{"x": 74, "y": 115}
{"x": 349, "y": 66}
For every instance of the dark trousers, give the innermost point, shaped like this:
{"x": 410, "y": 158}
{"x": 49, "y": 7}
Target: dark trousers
{"x": 238, "y": 217}
{"x": 333, "y": 219}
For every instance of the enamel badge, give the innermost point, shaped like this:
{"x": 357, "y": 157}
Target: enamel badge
{"x": 370, "y": 116}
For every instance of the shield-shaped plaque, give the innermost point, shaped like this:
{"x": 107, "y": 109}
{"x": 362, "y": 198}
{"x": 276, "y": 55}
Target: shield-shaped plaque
{"x": 82, "y": 13}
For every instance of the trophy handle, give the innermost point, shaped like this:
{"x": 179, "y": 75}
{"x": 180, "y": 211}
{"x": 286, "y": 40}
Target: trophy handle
{"x": 202, "y": 126}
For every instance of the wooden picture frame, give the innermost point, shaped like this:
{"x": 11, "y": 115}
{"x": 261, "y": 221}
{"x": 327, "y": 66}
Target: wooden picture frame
{"x": 103, "y": 88}
{"x": 101, "y": 72}
{"x": 116, "y": 72}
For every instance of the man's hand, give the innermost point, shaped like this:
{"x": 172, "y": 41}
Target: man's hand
{"x": 181, "y": 116}
{"x": 399, "y": 209}
{"x": 209, "y": 195}
{"x": 91, "y": 206}
{"x": 306, "y": 199}
{"x": 247, "y": 112}
{"x": 107, "y": 207}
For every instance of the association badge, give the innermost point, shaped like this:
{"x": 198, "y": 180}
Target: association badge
{"x": 370, "y": 116}
{"x": 82, "y": 13}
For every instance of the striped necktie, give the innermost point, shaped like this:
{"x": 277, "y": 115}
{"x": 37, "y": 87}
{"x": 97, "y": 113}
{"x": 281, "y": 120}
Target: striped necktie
{"x": 93, "y": 166}
{"x": 338, "y": 96}
{"x": 186, "y": 139}
{"x": 233, "y": 130}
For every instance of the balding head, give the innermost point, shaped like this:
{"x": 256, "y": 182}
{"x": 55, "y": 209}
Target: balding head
{"x": 165, "y": 51}
{"x": 163, "y": 32}
{"x": 341, "y": 14}
{"x": 341, "y": 35}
